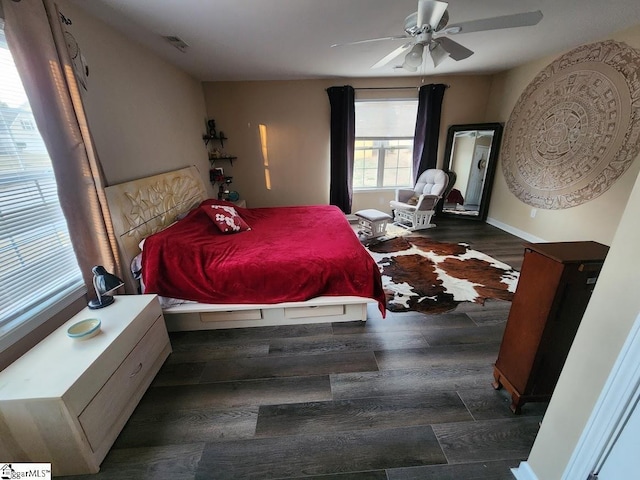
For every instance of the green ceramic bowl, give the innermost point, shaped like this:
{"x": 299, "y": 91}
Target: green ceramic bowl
{"x": 84, "y": 329}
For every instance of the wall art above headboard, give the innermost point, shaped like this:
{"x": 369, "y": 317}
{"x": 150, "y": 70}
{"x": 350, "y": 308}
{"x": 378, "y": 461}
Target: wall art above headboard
{"x": 576, "y": 127}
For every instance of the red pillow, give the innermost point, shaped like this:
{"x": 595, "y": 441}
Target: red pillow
{"x": 226, "y": 218}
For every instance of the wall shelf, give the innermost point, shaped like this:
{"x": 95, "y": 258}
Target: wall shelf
{"x": 231, "y": 158}
{"x": 213, "y": 135}
{"x": 220, "y": 138}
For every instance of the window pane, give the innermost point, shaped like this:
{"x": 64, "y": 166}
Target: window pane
{"x": 404, "y": 177}
{"x": 37, "y": 261}
{"x": 398, "y": 165}
{"x": 365, "y": 164}
{"x": 405, "y": 159}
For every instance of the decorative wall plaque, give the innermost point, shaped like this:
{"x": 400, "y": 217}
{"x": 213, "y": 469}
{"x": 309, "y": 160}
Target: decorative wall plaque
{"x": 576, "y": 127}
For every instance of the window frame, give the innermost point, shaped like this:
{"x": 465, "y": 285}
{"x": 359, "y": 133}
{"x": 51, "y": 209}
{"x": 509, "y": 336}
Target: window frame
{"x": 382, "y": 151}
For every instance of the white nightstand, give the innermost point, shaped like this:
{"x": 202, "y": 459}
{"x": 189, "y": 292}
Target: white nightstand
{"x": 66, "y": 400}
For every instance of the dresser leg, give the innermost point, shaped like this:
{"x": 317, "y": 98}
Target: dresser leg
{"x": 496, "y": 384}
{"x": 516, "y": 404}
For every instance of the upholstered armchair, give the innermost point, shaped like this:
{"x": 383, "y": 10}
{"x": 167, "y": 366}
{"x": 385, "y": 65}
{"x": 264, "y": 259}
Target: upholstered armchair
{"x": 413, "y": 208}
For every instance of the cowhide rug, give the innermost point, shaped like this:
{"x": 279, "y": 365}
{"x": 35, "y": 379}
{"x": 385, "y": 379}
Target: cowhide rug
{"x": 426, "y": 276}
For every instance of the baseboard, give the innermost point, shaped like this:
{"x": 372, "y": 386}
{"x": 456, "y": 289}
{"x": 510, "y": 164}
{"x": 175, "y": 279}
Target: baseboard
{"x": 515, "y": 231}
{"x": 524, "y": 472}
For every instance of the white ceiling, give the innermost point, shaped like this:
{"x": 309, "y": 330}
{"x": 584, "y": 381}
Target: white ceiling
{"x": 291, "y": 39}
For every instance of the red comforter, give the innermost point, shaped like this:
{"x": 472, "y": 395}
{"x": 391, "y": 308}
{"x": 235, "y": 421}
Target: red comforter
{"x": 290, "y": 254}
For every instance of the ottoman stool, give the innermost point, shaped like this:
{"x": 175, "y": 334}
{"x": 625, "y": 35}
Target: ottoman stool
{"x": 372, "y": 223}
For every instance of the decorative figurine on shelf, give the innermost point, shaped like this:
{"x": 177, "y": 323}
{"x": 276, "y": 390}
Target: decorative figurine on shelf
{"x": 214, "y": 154}
{"x": 212, "y": 128}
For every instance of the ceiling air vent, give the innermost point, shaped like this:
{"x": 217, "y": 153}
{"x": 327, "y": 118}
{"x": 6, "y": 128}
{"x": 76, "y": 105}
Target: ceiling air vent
{"x": 176, "y": 42}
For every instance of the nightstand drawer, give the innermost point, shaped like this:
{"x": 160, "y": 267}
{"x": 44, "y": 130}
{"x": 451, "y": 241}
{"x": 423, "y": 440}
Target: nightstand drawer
{"x": 109, "y": 410}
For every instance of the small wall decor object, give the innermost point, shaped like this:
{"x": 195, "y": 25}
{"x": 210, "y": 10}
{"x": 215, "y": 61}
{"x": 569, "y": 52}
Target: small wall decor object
{"x": 574, "y": 130}
{"x": 78, "y": 61}
{"x": 212, "y": 128}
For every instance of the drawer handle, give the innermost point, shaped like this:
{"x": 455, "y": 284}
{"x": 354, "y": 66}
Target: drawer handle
{"x": 136, "y": 371}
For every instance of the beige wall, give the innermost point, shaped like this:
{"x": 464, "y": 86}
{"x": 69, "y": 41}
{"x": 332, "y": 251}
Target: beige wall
{"x": 612, "y": 310}
{"x": 605, "y": 326}
{"x": 596, "y": 220}
{"x": 145, "y": 115}
{"x": 296, "y": 114}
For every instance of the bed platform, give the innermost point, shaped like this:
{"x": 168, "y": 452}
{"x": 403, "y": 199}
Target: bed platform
{"x": 146, "y": 206}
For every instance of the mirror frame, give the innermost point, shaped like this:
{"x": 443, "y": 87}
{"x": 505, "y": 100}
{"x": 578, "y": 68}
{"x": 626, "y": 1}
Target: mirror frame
{"x": 485, "y": 196}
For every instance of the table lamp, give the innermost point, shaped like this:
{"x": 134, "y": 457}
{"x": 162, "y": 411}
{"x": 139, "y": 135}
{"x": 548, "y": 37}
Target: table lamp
{"x": 104, "y": 283}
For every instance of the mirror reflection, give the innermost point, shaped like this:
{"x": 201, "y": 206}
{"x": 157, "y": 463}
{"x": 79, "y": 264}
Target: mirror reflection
{"x": 470, "y": 159}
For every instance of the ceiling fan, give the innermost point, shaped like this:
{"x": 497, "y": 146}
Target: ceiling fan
{"x": 428, "y": 30}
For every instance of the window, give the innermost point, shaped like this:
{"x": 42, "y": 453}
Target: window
{"x": 38, "y": 268}
{"x": 384, "y": 143}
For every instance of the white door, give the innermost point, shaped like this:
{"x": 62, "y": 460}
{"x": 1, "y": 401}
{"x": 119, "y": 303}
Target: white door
{"x": 609, "y": 446}
{"x": 623, "y": 461}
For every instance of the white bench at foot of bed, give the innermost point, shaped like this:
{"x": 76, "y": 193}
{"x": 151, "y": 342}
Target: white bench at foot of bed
{"x": 200, "y": 316}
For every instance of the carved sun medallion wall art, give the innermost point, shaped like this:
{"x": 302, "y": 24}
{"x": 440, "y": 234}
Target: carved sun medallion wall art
{"x": 576, "y": 127}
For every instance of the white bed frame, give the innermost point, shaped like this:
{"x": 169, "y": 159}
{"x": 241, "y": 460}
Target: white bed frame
{"x": 148, "y": 205}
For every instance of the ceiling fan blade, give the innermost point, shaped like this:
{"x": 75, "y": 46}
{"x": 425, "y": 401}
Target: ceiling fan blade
{"x": 430, "y": 12}
{"x": 397, "y": 52}
{"x": 526, "y": 19}
{"x": 394, "y": 37}
{"x": 438, "y": 53}
{"x": 456, "y": 51}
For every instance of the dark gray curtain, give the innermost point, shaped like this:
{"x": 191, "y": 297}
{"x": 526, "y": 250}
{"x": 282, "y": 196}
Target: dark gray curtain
{"x": 343, "y": 136}
{"x": 425, "y": 143}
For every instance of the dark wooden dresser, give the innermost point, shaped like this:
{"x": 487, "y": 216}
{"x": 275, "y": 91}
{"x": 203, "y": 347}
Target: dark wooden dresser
{"x": 554, "y": 288}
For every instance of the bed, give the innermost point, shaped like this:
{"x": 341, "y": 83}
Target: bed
{"x": 329, "y": 278}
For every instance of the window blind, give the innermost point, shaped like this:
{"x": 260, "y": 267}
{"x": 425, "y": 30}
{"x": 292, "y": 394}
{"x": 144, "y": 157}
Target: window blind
{"x": 37, "y": 262}
{"x": 386, "y": 118}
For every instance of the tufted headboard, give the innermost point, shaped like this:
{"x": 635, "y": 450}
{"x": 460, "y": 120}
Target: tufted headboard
{"x": 147, "y": 205}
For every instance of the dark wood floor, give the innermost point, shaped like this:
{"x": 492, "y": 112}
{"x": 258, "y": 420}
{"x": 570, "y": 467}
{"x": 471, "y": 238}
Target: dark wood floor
{"x": 406, "y": 397}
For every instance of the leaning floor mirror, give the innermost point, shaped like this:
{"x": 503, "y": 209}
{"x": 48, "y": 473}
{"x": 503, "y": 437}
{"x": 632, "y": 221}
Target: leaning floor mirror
{"x": 470, "y": 161}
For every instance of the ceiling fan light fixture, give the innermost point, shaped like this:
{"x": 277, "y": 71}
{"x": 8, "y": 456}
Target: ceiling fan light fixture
{"x": 410, "y": 68}
{"x": 414, "y": 57}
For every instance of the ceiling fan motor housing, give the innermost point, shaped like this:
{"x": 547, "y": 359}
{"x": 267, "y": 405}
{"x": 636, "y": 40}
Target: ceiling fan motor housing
{"x": 411, "y": 24}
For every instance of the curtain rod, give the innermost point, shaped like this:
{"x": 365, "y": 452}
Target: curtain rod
{"x": 391, "y": 88}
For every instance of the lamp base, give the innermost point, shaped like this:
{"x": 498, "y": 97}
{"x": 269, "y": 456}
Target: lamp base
{"x": 104, "y": 301}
